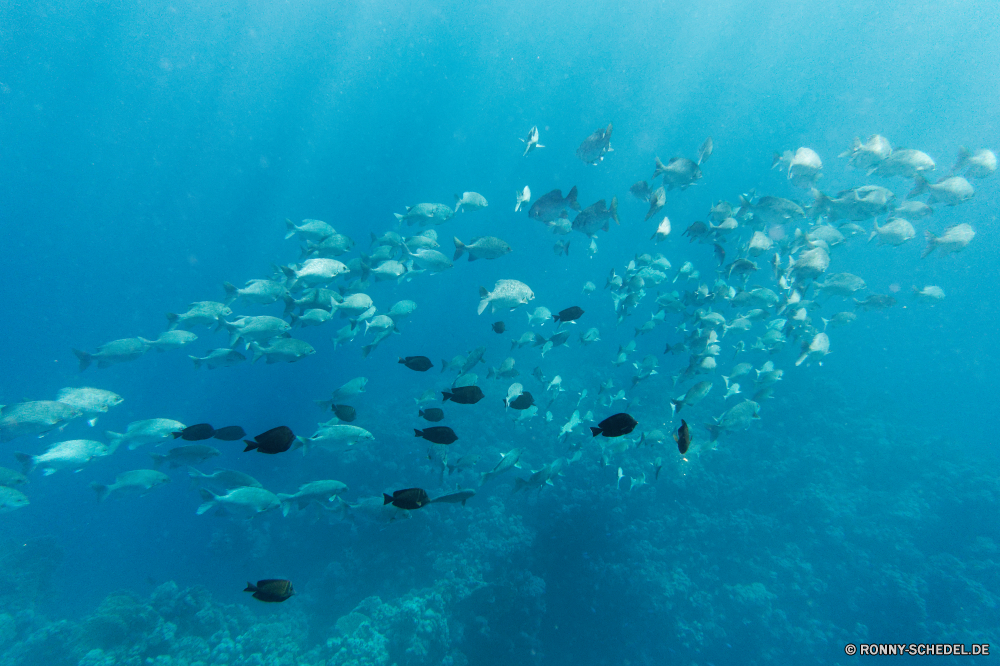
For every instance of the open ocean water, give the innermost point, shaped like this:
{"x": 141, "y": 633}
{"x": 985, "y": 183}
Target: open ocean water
{"x": 152, "y": 151}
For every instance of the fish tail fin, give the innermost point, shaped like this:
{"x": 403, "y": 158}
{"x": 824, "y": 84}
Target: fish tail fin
{"x": 920, "y": 186}
{"x": 366, "y": 349}
{"x": 250, "y": 587}
{"x": 675, "y": 407}
{"x": 231, "y": 292}
{"x": 172, "y": 318}
{"x": 101, "y": 490}
{"x": 571, "y": 199}
{"x": 289, "y": 228}
{"x": 257, "y": 352}
{"x": 871, "y": 236}
{"x": 484, "y": 300}
{"x": 157, "y": 460}
{"x": 595, "y": 431}
{"x": 459, "y": 249}
{"x": 27, "y": 462}
{"x": 931, "y": 244}
{"x": 197, "y": 361}
{"x": 84, "y": 357}
{"x": 417, "y": 433}
{"x": 713, "y": 431}
{"x": 286, "y": 505}
{"x": 446, "y": 396}
{"x": 963, "y": 157}
{"x": 293, "y": 319}
{"x": 399, "y": 217}
{"x": 250, "y": 445}
{"x": 210, "y": 500}
{"x": 290, "y": 278}
{"x": 386, "y": 499}
{"x": 289, "y": 304}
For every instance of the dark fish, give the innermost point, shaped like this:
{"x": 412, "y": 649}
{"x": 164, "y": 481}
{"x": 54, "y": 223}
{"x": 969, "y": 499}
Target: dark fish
{"x": 875, "y": 302}
{"x": 432, "y": 414}
{"x": 196, "y": 433}
{"x": 683, "y": 437}
{"x": 455, "y": 498}
{"x": 187, "y": 455}
{"x": 418, "y": 363}
{"x": 522, "y": 401}
{"x": 230, "y": 433}
{"x": 615, "y": 426}
{"x": 409, "y": 499}
{"x": 720, "y": 253}
{"x": 499, "y": 327}
{"x": 271, "y": 590}
{"x": 641, "y": 191}
{"x": 594, "y": 146}
{"x": 550, "y": 207}
{"x": 275, "y": 440}
{"x": 596, "y": 216}
{"x": 463, "y": 395}
{"x": 569, "y": 314}
{"x": 345, "y": 413}
{"x": 437, "y": 434}
{"x": 697, "y": 230}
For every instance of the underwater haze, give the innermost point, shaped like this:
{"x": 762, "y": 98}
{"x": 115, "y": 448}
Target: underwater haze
{"x": 813, "y": 374}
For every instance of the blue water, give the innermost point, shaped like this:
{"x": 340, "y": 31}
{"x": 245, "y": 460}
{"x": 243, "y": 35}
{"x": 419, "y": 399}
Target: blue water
{"x": 151, "y": 151}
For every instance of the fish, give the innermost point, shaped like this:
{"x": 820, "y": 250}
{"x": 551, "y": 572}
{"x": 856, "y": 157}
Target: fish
{"x": 692, "y": 397}
{"x": 678, "y": 172}
{"x": 219, "y": 358}
{"x": 539, "y": 315}
{"x": 505, "y": 294}
{"x": 705, "y": 151}
{"x": 261, "y": 292}
{"x": 271, "y": 590}
{"x": 894, "y": 232}
{"x": 569, "y": 314}
{"x": 804, "y": 166}
{"x": 641, "y": 191}
{"x": 596, "y": 216}
{"x": 315, "y": 230}
{"x": 550, "y": 207}
{"x": 522, "y": 401}
{"x": 505, "y": 371}
{"x": 410, "y": 499}
{"x": 437, "y": 434}
{"x": 522, "y": 197}
{"x": 275, "y": 440}
{"x": 223, "y": 479}
{"x": 954, "y": 239}
{"x": 814, "y": 349}
{"x": 111, "y": 353}
{"x": 484, "y": 247}
{"x": 148, "y": 431}
{"x": 430, "y": 260}
{"x": 313, "y": 317}
{"x": 542, "y": 477}
{"x": 171, "y": 340}
{"x": 594, "y": 147}
{"x": 245, "y": 501}
{"x": 979, "y": 165}
{"x": 662, "y": 231}
{"x": 358, "y": 306}
{"x": 499, "y": 327}
{"x": 657, "y": 199}
{"x": 470, "y": 201}
{"x": 255, "y": 329}
{"x": 430, "y": 395}
{"x": 334, "y": 437}
{"x": 141, "y": 481}
{"x": 322, "y": 492}
{"x": 460, "y": 497}
{"x": 615, "y": 425}
{"x": 508, "y": 461}
{"x": 184, "y": 456}
{"x": 282, "y": 350}
{"x": 950, "y": 191}
{"x": 531, "y": 142}
{"x": 402, "y": 309}
{"x": 36, "y": 417}
{"x": 344, "y": 413}
{"x": 868, "y": 155}
{"x": 89, "y": 401}
{"x": 735, "y": 418}
{"x": 12, "y": 499}
{"x": 195, "y": 433}
{"x": 201, "y": 313}
{"x": 561, "y": 248}
{"x": 11, "y": 478}
{"x": 841, "y": 284}
{"x": 929, "y": 294}
{"x": 432, "y": 414}
{"x": 73, "y": 454}
{"x": 328, "y": 248}
{"x": 463, "y": 395}
{"x": 347, "y": 391}
{"x": 426, "y": 213}
{"x": 903, "y": 162}
{"x": 418, "y": 363}
{"x": 589, "y": 336}
{"x": 683, "y": 437}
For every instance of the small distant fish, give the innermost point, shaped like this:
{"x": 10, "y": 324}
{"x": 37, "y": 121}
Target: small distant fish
{"x": 437, "y": 434}
{"x": 271, "y": 590}
{"x": 593, "y": 148}
{"x": 875, "y": 302}
{"x": 174, "y": 339}
{"x": 499, "y": 327}
{"x": 979, "y": 165}
{"x": 138, "y": 480}
{"x": 418, "y": 363}
{"x": 615, "y": 426}
{"x": 116, "y": 351}
{"x": 461, "y": 496}
{"x": 561, "y": 248}
{"x": 588, "y": 288}
{"x": 485, "y": 247}
{"x": 275, "y": 440}
{"x": 705, "y": 151}
{"x": 522, "y": 197}
{"x": 531, "y": 141}
{"x": 432, "y": 414}
{"x": 409, "y": 498}
{"x": 183, "y": 456}
{"x": 641, "y": 191}
{"x": 463, "y": 395}
{"x": 345, "y": 413}
{"x": 470, "y": 201}
{"x": 195, "y": 433}
{"x": 683, "y": 438}
{"x": 662, "y": 231}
